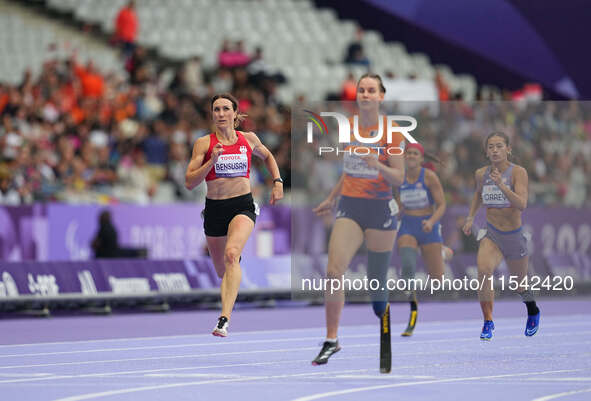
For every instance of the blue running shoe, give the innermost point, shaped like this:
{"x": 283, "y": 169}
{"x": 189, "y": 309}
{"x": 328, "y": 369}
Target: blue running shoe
{"x": 533, "y": 324}
{"x": 487, "y": 330}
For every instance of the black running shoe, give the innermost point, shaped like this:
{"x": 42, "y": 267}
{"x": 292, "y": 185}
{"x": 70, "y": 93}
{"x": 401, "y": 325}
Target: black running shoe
{"x": 328, "y": 348}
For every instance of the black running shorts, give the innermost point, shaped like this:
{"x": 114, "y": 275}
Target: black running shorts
{"x": 219, "y": 212}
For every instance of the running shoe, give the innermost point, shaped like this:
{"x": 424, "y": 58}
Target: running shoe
{"x": 221, "y": 328}
{"x": 532, "y": 325}
{"x": 328, "y": 348}
{"x": 487, "y": 330}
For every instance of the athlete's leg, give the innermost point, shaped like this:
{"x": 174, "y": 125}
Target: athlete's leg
{"x": 380, "y": 240}
{"x": 345, "y": 239}
{"x": 488, "y": 258}
{"x": 238, "y": 232}
{"x": 408, "y": 244}
{"x": 408, "y": 252}
{"x": 379, "y": 251}
{"x": 519, "y": 268}
{"x": 217, "y": 246}
{"x": 433, "y": 258}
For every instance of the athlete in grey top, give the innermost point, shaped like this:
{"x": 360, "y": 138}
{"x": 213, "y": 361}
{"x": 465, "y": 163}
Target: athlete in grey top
{"x": 502, "y": 189}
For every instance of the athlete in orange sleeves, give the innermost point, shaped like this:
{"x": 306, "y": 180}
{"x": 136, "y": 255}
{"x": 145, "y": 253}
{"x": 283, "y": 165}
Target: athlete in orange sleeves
{"x": 222, "y": 159}
{"x": 365, "y": 211}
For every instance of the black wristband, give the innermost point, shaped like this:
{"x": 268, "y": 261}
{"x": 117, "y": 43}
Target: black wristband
{"x": 278, "y": 180}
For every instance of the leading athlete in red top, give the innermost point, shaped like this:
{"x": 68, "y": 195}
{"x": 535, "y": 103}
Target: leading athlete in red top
{"x": 222, "y": 159}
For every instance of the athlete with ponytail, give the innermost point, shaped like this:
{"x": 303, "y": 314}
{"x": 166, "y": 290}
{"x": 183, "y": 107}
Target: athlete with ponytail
{"x": 223, "y": 160}
{"x": 502, "y": 188}
{"x": 422, "y": 204}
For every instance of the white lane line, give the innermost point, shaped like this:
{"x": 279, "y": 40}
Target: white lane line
{"x": 195, "y": 375}
{"x": 230, "y": 342}
{"x": 554, "y": 345}
{"x": 559, "y": 395}
{"x": 131, "y": 372}
{"x": 231, "y": 365}
{"x": 279, "y": 331}
{"x": 198, "y": 383}
{"x": 469, "y": 339}
{"x": 170, "y": 357}
{"x": 188, "y": 336}
{"x": 416, "y": 383}
{"x": 160, "y": 338}
{"x": 383, "y": 377}
{"x": 249, "y": 364}
{"x": 28, "y": 375}
{"x": 171, "y": 346}
{"x": 561, "y": 379}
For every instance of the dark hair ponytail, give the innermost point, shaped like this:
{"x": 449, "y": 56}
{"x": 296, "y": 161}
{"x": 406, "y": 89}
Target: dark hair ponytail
{"x": 431, "y": 157}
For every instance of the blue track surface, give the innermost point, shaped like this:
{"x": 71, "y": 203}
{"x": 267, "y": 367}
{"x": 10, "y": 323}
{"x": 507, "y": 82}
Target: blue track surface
{"x": 444, "y": 360}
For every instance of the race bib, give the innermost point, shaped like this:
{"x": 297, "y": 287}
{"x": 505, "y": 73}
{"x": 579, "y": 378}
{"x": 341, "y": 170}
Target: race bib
{"x": 414, "y": 198}
{"x": 356, "y": 167}
{"x": 493, "y": 196}
{"x": 234, "y": 165}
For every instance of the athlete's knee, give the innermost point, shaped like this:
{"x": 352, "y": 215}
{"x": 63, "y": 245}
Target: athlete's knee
{"x": 485, "y": 269}
{"x": 231, "y": 255}
{"x": 334, "y": 270}
{"x": 408, "y": 261}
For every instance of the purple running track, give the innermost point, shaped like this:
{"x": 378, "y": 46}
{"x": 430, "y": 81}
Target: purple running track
{"x": 267, "y": 355}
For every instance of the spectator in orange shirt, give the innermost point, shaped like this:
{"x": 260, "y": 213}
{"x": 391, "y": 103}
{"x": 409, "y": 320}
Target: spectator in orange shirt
{"x": 442, "y": 88}
{"x": 126, "y": 28}
{"x": 91, "y": 80}
{"x": 349, "y": 89}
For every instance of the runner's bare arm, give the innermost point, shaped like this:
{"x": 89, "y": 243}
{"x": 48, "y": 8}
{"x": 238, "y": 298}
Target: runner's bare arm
{"x": 197, "y": 170}
{"x": 263, "y": 153}
{"x": 518, "y": 198}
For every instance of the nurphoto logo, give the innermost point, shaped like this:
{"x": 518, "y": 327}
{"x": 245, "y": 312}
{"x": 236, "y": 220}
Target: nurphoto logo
{"x": 345, "y": 130}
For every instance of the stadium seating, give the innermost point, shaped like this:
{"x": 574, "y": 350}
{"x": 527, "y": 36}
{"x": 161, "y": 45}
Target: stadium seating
{"x": 29, "y": 39}
{"x": 308, "y": 44}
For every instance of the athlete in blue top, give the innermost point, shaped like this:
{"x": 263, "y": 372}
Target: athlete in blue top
{"x": 422, "y": 206}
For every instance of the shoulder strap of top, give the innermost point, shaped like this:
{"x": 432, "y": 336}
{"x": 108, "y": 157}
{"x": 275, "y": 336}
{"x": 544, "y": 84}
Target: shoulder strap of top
{"x": 241, "y": 135}
{"x": 212, "y": 142}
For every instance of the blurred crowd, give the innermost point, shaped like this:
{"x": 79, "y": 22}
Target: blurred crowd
{"x": 76, "y": 134}
{"x": 552, "y": 140}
